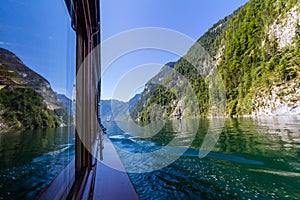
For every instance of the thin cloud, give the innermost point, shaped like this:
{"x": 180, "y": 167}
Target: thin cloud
{"x": 5, "y": 43}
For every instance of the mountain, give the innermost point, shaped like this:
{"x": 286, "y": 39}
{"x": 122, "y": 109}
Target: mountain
{"x": 26, "y": 98}
{"x": 256, "y": 51}
{"x": 133, "y": 101}
{"x": 109, "y": 108}
{"x": 114, "y": 110}
{"x": 66, "y": 102}
{"x": 30, "y": 78}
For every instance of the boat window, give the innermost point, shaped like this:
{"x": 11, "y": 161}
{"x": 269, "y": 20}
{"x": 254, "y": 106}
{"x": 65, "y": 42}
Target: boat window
{"x": 37, "y": 97}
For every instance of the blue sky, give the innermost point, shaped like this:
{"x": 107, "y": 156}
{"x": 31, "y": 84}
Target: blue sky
{"x": 39, "y": 32}
{"x": 192, "y": 18}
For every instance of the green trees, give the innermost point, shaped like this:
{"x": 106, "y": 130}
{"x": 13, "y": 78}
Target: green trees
{"x": 23, "y": 108}
{"x": 250, "y": 59}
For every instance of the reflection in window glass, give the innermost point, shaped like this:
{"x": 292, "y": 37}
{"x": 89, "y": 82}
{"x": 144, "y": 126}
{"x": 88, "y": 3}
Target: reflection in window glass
{"x": 36, "y": 86}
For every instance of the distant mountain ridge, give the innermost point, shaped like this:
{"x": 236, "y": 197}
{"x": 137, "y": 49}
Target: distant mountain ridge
{"x": 66, "y": 102}
{"x": 114, "y": 110}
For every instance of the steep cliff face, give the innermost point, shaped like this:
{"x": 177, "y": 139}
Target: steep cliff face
{"x": 257, "y": 53}
{"x": 29, "y": 77}
{"x": 284, "y": 28}
{"x": 27, "y": 99}
{"x": 283, "y": 97}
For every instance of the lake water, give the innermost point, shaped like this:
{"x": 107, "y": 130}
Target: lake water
{"x": 30, "y": 160}
{"x": 252, "y": 159}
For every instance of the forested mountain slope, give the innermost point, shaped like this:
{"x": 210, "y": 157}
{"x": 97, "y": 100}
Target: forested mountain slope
{"x": 26, "y": 98}
{"x": 257, "y": 53}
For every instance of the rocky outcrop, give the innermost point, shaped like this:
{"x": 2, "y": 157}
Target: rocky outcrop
{"x": 256, "y": 51}
{"x": 283, "y": 99}
{"x": 284, "y": 28}
{"x": 28, "y": 77}
{"x": 16, "y": 77}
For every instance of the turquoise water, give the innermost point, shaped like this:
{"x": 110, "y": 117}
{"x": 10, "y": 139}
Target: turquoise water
{"x": 30, "y": 160}
{"x": 252, "y": 159}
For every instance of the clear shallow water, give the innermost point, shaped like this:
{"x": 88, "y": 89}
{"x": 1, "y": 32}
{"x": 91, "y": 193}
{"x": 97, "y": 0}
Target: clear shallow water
{"x": 253, "y": 159}
{"x": 30, "y": 160}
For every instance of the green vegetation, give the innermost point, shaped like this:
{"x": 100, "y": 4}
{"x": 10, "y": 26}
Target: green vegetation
{"x": 249, "y": 61}
{"x": 25, "y": 97}
{"x": 246, "y": 63}
{"x": 23, "y": 108}
{"x": 161, "y": 97}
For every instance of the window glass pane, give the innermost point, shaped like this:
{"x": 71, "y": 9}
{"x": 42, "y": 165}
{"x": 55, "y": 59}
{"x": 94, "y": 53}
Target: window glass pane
{"x": 37, "y": 70}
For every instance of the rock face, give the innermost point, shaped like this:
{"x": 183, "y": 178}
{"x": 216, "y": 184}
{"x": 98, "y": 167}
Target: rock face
{"x": 29, "y": 77}
{"x": 281, "y": 99}
{"x": 284, "y": 28}
{"x": 18, "y": 78}
{"x": 284, "y": 98}
{"x": 257, "y": 53}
